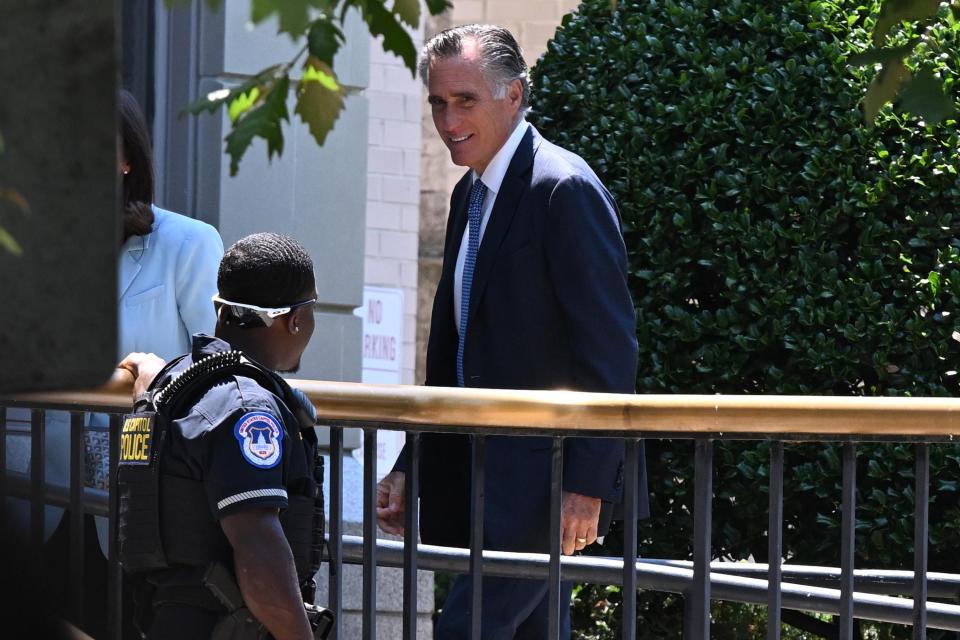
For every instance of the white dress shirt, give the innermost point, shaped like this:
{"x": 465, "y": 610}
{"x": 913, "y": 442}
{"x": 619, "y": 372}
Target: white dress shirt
{"x": 492, "y": 177}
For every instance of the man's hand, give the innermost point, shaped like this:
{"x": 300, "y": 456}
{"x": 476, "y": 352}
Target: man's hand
{"x": 143, "y": 367}
{"x": 392, "y": 503}
{"x": 579, "y": 516}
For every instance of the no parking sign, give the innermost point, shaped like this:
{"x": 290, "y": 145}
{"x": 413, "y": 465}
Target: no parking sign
{"x": 382, "y": 314}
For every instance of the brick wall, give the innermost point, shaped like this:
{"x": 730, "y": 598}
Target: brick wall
{"x": 393, "y": 186}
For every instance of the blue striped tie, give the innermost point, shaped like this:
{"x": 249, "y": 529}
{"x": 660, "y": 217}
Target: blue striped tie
{"x": 474, "y": 213}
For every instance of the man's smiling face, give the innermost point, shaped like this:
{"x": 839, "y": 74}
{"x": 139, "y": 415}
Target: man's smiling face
{"x": 472, "y": 122}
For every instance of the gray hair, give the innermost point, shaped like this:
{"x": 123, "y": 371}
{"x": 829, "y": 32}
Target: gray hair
{"x": 501, "y": 58}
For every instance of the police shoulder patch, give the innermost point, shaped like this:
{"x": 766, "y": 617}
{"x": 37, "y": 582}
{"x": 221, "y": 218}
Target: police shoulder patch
{"x": 260, "y": 437}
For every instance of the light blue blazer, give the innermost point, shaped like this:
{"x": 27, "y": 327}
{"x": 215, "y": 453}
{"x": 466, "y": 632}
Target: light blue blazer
{"x": 165, "y": 282}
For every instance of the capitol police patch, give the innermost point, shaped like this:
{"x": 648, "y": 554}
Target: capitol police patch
{"x": 259, "y": 435}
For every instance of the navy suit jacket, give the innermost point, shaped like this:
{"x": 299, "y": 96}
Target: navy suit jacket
{"x": 549, "y": 309}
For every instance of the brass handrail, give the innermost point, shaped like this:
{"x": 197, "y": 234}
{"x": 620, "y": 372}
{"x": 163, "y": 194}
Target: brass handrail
{"x": 512, "y": 411}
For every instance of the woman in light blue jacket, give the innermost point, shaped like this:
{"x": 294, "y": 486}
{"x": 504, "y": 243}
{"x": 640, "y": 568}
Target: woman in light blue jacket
{"x": 166, "y": 278}
{"x": 167, "y": 273}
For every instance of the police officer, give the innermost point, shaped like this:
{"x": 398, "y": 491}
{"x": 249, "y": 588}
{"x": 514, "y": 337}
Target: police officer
{"x": 235, "y": 469}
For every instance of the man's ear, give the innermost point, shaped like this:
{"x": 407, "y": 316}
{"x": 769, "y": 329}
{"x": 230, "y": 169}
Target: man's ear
{"x": 515, "y": 92}
{"x": 291, "y": 322}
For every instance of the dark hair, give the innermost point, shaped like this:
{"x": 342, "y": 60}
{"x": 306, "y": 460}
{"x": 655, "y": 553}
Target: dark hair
{"x": 138, "y": 153}
{"x": 267, "y": 270}
{"x": 500, "y": 56}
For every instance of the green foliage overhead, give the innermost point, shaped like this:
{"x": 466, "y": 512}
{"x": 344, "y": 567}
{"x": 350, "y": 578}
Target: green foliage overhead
{"x": 257, "y": 107}
{"x": 777, "y": 246}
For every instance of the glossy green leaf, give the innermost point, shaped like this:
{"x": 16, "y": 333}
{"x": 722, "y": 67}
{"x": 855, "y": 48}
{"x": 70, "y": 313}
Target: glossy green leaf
{"x": 436, "y": 7}
{"x": 319, "y": 99}
{"x": 252, "y": 106}
{"x": 382, "y": 22}
{"x": 263, "y": 121}
{"x": 242, "y": 103}
{"x": 324, "y": 40}
{"x": 209, "y": 103}
{"x": 293, "y": 16}
{"x": 408, "y": 11}
{"x": 215, "y": 99}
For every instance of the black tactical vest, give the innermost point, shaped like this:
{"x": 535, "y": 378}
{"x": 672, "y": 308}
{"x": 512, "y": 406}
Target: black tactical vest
{"x": 164, "y": 520}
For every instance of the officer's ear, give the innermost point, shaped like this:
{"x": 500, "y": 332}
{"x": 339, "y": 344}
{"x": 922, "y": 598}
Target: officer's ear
{"x": 293, "y": 323}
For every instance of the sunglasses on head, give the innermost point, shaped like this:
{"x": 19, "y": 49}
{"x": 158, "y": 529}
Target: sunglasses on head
{"x": 244, "y": 315}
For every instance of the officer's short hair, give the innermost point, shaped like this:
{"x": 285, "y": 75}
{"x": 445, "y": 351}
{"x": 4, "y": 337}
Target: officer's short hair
{"x": 267, "y": 270}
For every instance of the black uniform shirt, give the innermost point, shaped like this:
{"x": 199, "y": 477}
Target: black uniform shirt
{"x": 239, "y": 439}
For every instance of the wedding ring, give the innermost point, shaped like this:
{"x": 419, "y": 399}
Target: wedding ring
{"x": 581, "y": 540}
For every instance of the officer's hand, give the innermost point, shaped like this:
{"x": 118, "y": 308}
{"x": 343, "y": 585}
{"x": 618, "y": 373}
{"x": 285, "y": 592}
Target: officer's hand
{"x": 391, "y": 502}
{"x": 579, "y": 517}
{"x": 143, "y": 367}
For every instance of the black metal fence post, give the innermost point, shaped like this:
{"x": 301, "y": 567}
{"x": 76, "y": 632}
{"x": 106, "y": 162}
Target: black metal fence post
{"x": 37, "y": 486}
{"x": 114, "y": 570}
{"x": 369, "y": 613}
{"x": 411, "y": 535}
{"x": 697, "y": 607}
{"x": 76, "y": 517}
{"x": 556, "y": 499}
{"x": 921, "y": 539}
{"x": 775, "y": 540}
{"x": 631, "y": 477}
{"x": 335, "y": 540}
{"x": 848, "y": 536}
{"x": 477, "y": 495}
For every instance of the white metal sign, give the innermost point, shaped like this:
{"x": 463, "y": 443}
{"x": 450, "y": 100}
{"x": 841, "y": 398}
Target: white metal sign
{"x": 382, "y": 314}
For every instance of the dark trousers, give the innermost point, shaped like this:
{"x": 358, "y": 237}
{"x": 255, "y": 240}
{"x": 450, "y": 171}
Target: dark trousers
{"x": 513, "y": 609}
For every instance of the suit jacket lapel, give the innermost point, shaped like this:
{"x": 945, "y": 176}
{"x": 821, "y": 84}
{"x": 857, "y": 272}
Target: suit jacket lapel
{"x": 456, "y": 225}
{"x": 504, "y": 208}
{"x": 130, "y": 263}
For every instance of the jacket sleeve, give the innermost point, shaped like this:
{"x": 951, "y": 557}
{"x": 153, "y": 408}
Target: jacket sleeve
{"x": 198, "y": 260}
{"x": 587, "y": 262}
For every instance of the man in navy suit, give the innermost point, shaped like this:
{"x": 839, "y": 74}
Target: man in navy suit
{"x": 533, "y": 295}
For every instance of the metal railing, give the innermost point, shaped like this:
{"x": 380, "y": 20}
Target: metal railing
{"x": 845, "y": 591}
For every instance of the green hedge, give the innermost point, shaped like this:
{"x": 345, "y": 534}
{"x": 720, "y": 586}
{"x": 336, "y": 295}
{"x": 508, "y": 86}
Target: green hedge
{"x": 777, "y": 246}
